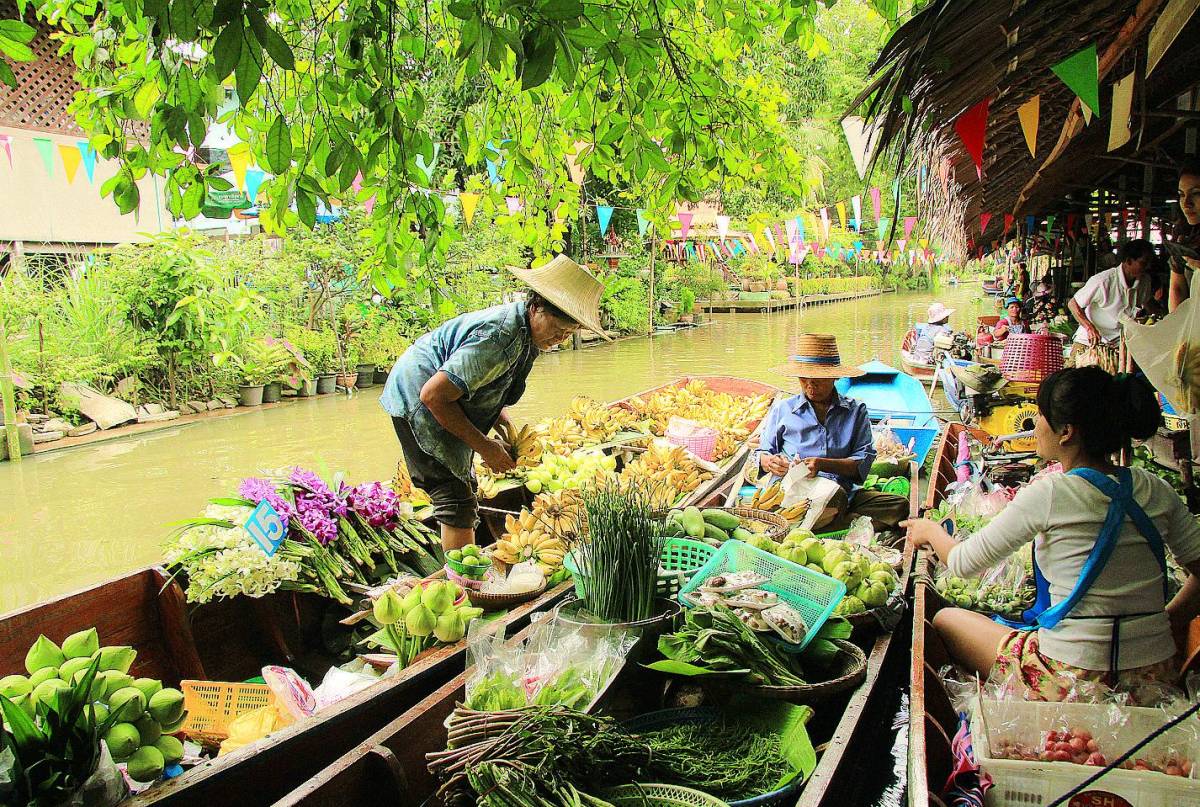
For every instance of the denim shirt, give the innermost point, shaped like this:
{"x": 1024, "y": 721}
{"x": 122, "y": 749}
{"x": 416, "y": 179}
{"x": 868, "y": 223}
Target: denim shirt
{"x": 792, "y": 429}
{"x": 487, "y": 354}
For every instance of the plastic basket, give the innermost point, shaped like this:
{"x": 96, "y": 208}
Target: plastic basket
{"x": 656, "y": 795}
{"x": 1024, "y": 784}
{"x": 703, "y": 443}
{"x": 1031, "y": 356}
{"x": 212, "y": 705}
{"x": 681, "y": 558}
{"x": 813, "y": 595}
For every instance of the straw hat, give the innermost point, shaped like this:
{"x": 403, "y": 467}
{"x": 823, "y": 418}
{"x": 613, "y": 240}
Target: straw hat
{"x": 816, "y": 356}
{"x": 938, "y": 313}
{"x": 570, "y": 287}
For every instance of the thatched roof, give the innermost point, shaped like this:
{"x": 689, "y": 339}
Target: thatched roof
{"x": 955, "y": 53}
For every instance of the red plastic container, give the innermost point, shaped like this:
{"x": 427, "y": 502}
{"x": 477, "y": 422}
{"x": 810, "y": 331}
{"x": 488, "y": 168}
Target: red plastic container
{"x": 1030, "y": 357}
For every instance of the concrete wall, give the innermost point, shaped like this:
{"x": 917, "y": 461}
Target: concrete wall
{"x": 44, "y": 208}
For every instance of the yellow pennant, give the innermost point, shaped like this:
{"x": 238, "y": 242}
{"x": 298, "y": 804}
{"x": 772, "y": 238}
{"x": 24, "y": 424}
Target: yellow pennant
{"x": 239, "y": 160}
{"x": 72, "y": 159}
{"x": 469, "y": 201}
{"x": 841, "y": 211}
{"x": 1028, "y": 113}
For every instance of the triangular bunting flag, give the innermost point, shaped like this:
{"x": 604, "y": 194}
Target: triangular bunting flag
{"x": 876, "y": 202}
{"x": 6, "y": 144}
{"x": 909, "y": 223}
{"x": 468, "y": 201}
{"x": 89, "y": 158}
{"x": 1119, "y": 131}
{"x": 494, "y": 167}
{"x": 643, "y": 222}
{"x": 881, "y": 227}
{"x": 1030, "y": 223}
{"x": 825, "y": 221}
{"x": 856, "y": 206}
{"x": 800, "y": 228}
{"x": 254, "y": 180}
{"x": 1049, "y": 224}
{"x": 753, "y": 244}
{"x": 357, "y": 184}
{"x": 369, "y": 205}
{"x": 1081, "y": 73}
{"x": 603, "y": 217}
{"x": 1028, "y": 112}
{"x": 790, "y": 226}
{"x": 45, "y": 147}
{"x": 861, "y": 139}
{"x": 722, "y": 226}
{"x": 513, "y": 203}
{"x": 924, "y": 243}
{"x": 1008, "y": 222}
{"x": 239, "y": 161}
{"x": 841, "y": 211}
{"x": 984, "y": 219}
{"x": 770, "y": 237}
{"x": 901, "y": 243}
{"x": 71, "y": 160}
{"x": 971, "y": 127}
{"x": 685, "y": 223}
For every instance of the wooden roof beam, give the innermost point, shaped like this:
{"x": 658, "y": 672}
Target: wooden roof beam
{"x": 1133, "y": 28}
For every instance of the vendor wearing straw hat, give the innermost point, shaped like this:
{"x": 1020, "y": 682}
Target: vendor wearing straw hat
{"x": 830, "y": 434}
{"x": 452, "y": 385}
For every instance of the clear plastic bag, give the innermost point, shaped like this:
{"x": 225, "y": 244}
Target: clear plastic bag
{"x": 861, "y": 533}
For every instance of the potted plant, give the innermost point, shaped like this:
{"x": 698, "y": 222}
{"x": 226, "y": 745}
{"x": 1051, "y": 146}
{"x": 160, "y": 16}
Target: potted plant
{"x": 687, "y": 304}
{"x": 259, "y": 364}
{"x": 317, "y": 349}
{"x": 617, "y": 558}
{"x": 346, "y": 342}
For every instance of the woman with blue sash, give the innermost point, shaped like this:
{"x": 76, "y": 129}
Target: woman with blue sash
{"x": 1100, "y": 536}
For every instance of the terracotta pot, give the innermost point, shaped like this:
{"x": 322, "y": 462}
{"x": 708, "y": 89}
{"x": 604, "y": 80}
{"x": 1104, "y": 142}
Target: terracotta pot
{"x": 272, "y": 392}
{"x": 347, "y": 380}
{"x": 250, "y": 394}
{"x": 326, "y": 383}
{"x": 781, "y": 285}
{"x": 758, "y": 286}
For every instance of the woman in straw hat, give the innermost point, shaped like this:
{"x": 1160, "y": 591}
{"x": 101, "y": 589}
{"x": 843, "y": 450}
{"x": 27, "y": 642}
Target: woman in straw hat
{"x": 830, "y": 434}
{"x": 937, "y": 323}
{"x": 451, "y": 387}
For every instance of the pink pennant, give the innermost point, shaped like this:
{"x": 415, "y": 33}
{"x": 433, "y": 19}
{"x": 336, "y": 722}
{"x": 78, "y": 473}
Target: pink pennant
{"x": 984, "y": 219}
{"x": 876, "y": 202}
{"x": 356, "y": 185}
{"x": 514, "y": 204}
{"x": 685, "y": 223}
{"x": 901, "y": 243}
{"x": 909, "y": 223}
{"x": 6, "y": 142}
{"x": 753, "y": 244}
{"x": 825, "y": 221}
{"x": 369, "y": 205}
{"x": 790, "y": 226}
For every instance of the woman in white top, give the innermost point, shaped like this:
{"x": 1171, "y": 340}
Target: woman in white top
{"x": 1098, "y": 533}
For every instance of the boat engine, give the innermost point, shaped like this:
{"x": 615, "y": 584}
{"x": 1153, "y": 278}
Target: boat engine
{"x": 956, "y": 346}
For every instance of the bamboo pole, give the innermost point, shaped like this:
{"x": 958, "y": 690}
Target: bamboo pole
{"x": 651, "y": 326}
{"x": 9, "y": 398}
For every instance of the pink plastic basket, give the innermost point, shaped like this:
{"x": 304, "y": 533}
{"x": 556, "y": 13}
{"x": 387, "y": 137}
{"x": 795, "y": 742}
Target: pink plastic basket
{"x": 699, "y": 440}
{"x": 1030, "y": 357}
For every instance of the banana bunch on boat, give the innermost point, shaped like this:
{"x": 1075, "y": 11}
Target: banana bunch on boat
{"x": 402, "y": 485}
{"x": 528, "y": 537}
{"x": 730, "y": 415}
{"x": 669, "y": 471}
{"x": 1186, "y": 375}
{"x": 600, "y": 423}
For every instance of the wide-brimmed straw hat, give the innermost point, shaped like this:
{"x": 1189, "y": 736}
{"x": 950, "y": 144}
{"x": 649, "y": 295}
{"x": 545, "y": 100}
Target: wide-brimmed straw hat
{"x": 816, "y": 356}
{"x": 938, "y": 313}
{"x": 570, "y": 288}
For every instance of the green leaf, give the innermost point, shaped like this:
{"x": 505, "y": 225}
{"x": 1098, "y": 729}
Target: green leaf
{"x": 145, "y": 98}
{"x": 193, "y": 200}
{"x": 227, "y": 50}
{"x": 274, "y": 44}
{"x": 306, "y": 208}
{"x": 538, "y": 61}
{"x": 16, "y": 31}
{"x": 187, "y": 90}
{"x": 279, "y": 146}
{"x": 672, "y": 667}
{"x": 182, "y": 17}
{"x": 247, "y": 75}
{"x": 462, "y": 9}
{"x": 562, "y": 9}
{"x": 6, "y": 75}
{"x": 225, "y": 12}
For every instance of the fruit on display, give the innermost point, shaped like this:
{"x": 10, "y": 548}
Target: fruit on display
{"x": 469, "y": 562}
{"x": 668, "y": 471}
{"x": 599, "y": 423}
{"x": 433, "y": 612}
{"x": 731, "y": 415}
{"x": 869, "y": 581}
{"x": 134, "y": 716}
{"x": 991, "y": 598}
{"x": 570, "y": 472}
{"x": 715, "y": 526}
{"x": 402, "y": 485}
{"x": 528, "y": 537}
{"x": 768, "y": 498}
{"x": 524, "y": 445}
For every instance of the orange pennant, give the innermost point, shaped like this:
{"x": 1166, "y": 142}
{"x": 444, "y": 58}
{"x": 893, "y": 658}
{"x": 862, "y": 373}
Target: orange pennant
{"x": 1028, "y": 113}
{"x": 469, "y": 202}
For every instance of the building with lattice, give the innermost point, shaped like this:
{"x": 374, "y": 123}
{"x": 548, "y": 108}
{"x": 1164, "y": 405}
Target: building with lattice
{"x": 50, "y": 178}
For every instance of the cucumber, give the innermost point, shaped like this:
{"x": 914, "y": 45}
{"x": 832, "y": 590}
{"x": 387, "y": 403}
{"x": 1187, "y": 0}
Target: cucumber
{"x": 721, "y": 518}
{"x": 715, "y": 533}
{"x": 743, "y": 534}
{"x": 693, "y": 522}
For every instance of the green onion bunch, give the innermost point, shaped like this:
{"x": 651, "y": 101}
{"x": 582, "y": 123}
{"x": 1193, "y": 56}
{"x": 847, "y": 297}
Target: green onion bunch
{"x": 619, "y": 553}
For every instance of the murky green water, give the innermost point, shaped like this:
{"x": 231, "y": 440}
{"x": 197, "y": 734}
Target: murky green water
{"x": 77, "y": 516}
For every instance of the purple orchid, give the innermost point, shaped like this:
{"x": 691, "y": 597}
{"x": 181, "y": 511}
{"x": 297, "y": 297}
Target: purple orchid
{"x": 376, "y": 503}
{"x": 256, "y": 489}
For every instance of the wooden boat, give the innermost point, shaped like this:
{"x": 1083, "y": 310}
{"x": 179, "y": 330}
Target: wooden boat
{"x": 912, "y": 365}
{"x": 897, "y": 399}
{"x": 389, "y": 767}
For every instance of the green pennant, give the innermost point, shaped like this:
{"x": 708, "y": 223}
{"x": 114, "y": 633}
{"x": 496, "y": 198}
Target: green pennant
{"x": 1081, "y": 73}
{"x": 45, "y": 147}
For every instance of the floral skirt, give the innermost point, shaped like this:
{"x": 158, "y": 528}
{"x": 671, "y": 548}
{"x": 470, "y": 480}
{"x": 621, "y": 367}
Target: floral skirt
{"x": 1049, "y": 680}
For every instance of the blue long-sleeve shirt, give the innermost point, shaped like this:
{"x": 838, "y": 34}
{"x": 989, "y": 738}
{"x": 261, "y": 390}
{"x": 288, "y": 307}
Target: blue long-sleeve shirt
{"x": 792, "y": 429}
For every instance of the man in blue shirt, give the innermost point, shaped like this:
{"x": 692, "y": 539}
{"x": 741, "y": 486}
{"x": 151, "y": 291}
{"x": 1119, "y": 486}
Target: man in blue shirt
{"x": 830, "y": 434}
{"x": 452, "y": 385}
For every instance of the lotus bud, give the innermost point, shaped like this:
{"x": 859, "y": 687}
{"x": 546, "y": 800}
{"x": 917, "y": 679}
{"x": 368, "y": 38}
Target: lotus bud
{"x": 71, "y": 666}
{"x": 43, "y": 654}
{"x": 27, "y": 705}
{"x": 47, "y": 691}
{"x": 166, "y": 706}
{"x": 115, "y": 681}
{"x": 101, "y": 712}
{"x": 81, "y": 644}
{"x": 171, "y": 749}
{"x": 148, "y": 686}
{"x": 15, "y": 686}
{"x": 44, "y": 674}
{"x": 127, "y": 704}
{"x": 149, "y": 730}
{"x": 412, "y": 599}
{"x": 449, "y": 628}
{"x": 420, "y": 621}
{"x": 455, "y": 590}
{"x": 122, "y": 740}
{"x": 117, "y": 658}
{"x": 469, "y": 612}
{"x": 171, "y": 728}
{"x": 437, "y": 598}
{"x": 146, "y": 764}
{"x": 389, "y": 608}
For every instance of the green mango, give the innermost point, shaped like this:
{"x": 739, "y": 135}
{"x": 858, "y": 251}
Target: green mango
{"x": 693, "y": 522}
{"x": 742, "y": 534}
{"x": 714, "y": 533}
{"x": 721, "y": 518}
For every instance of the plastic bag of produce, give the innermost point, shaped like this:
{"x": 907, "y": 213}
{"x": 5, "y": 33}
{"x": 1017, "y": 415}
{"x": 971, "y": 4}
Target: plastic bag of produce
{"x": 1168, "y": 352}
{"x": 798, "y": 485}
{"x": 339, "y": 683}
{"x": 861, "y": 533}
{"x": 496, "y": 680}
{"x": 293, "y": 696}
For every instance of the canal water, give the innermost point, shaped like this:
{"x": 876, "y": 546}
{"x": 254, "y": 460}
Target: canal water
{"x": 77, "y": 516}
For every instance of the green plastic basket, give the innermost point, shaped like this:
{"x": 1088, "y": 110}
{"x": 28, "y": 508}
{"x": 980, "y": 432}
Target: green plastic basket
{"x": 654, "y": 795}
{"x": 681, "y": 558}
{"x": 813, "y": 595}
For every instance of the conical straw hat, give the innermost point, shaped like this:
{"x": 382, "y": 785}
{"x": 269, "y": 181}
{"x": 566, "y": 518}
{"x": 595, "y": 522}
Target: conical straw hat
{"x": 568, "y": 286}
{"x": 816, "y": 356}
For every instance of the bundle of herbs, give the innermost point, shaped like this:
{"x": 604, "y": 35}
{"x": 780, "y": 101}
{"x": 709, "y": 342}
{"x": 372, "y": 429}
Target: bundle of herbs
{"x": 715, "y": 640}
{"x": 618, "y": 553}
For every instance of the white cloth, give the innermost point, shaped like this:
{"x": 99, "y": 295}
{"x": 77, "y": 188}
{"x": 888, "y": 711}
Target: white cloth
{"x": 1063, "y": 515}
{"x": 1105, "y": 298}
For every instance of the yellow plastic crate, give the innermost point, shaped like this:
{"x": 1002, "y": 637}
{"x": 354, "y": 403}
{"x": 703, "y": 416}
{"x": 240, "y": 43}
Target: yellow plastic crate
{"x": 212, "y": 705}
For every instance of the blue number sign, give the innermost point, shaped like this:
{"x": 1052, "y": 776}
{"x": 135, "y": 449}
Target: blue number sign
{"x": 266, "y": 527}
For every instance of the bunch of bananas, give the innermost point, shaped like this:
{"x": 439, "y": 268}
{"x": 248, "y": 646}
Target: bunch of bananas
{"x": 768, "y": 498}
{"x": 524, "y": 444}
{"x": 560, "y": 512}
{"x": 402, "y": 486}
{"x": 795, "y": 512}
{"x": 561, "y": 435}
{"x": 669, "y": 471}
{"x": 599, "y": 423}
{"x": 527, "y": 538}
{"x": 1186, "y": 372}
{"x": 730, "y": 415}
